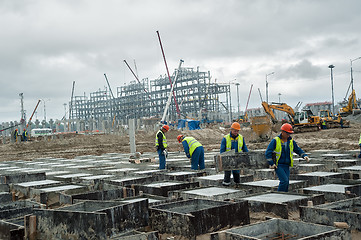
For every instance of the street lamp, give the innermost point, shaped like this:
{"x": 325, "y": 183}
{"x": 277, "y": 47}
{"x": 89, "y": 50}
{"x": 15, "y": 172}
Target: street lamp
{"x": 267, "y": 85}
{"x": 351, "y": 71}
{"x": 237, "y": 84}
{"x": 333, "y": 103}
{"x": 279, "y": 97}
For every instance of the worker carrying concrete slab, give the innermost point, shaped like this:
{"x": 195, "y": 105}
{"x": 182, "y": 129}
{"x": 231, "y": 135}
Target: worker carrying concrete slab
{"x": 194, "y": 150}
{"x": 235, "y": 141}
{"x": 161, "y": 145}
{"x": 279, "y": 155}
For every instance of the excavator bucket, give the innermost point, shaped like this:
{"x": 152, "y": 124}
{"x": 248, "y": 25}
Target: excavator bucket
{"x": 261, "y": 125}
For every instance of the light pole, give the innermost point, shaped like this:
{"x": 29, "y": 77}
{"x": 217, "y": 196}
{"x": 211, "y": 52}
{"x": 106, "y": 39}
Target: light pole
{"x": 279, "y": 97}
{"x": 267, "y": 85}
{"x": 333, "y": 103}
{"x": 45, "y": 109}
{"x": 237, "y": 84}
{"x": 351, "y": 72}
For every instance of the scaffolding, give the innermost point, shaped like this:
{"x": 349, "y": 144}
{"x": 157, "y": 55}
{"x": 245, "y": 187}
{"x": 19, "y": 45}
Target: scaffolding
{"x": 197, "y": 97}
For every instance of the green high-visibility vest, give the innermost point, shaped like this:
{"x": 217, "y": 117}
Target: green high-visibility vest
{"x": 278, "y": 150}
{"x": 359, "y": 141}
{"x": 165, "y": 145}
{"x": 192, "y": 144}
{"x": 239, "y": 138}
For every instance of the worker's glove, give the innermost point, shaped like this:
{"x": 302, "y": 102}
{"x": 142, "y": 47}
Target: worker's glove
{"x": 165, "y": 152}
{"x": 307, "y": 159}
{"x": 274, "y": 166}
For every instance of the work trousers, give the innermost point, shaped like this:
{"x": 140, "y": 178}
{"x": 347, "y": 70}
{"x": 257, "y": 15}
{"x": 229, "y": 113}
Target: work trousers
{"x": 197, "y": 159}
{"x": 283, "y": 173}
{"x": 236, "y": 176}
{"x": 161, "y": 159}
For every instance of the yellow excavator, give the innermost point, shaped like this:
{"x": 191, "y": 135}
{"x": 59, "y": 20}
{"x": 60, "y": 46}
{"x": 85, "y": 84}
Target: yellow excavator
{"x": 303, "y": 121}
{"x": 351, "y": 105}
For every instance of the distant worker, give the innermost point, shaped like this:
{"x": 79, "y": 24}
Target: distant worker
{"x": 25, "y": 135}
{"x": 161, "y": 145}
{"x": 279, "y": 155}
{"x": 359, "y": 143}
{"x": 235, "y": 141}
{"x": 194, "y": 150}
{"x": 323, "y": 124}
{"x": 15, "y": 134}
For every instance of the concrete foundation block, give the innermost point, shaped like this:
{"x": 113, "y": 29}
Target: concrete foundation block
{"x": 21, "y": 177}
{"x": 10, "y": 230}
{"x": 191, "y": 218}
{"x": 5, "y": 197}
{"x": 210, "y": 193}
{"x": 283, "y": 229}
{"x": 97, "y": 195}
{"x": 16, "y": 209}
{"x": 281, "y": 204}
{"x": 347, "y": 211}
{"x": 91, "y": 219}
{"x": 162, "y": 188}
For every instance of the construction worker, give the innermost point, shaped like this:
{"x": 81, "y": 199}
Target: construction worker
{"x": 15, "y": 134}
{"x": 323, "y": 124}
{"x": 235, "y": 141}
{"x": 194, "y": 150}
{"x": 161, "y": 145}
{"x": 279, "y": 155}
{"x": 25, "y": 135}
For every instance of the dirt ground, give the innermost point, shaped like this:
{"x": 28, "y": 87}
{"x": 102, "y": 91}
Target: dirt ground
{"x": 79, "y": 144}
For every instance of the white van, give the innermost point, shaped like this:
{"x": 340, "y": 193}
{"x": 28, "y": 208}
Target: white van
{"x": 41, "y": 132}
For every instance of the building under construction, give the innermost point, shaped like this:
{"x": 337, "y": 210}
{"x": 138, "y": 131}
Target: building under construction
{"x": 194, "y": 97}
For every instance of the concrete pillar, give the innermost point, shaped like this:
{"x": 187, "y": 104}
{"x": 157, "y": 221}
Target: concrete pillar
{"x": 131, "y": 125}
{"x": 57, "y": 129}
{"x": 77, "y": 123}
{"x": 103, "y": 128}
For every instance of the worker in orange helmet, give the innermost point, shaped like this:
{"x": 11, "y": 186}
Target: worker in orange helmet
{"x": 194, "y": 150}
{"x": 235, "y": 141}
{"x": 279, "y": 155}
{"x": 161, "y": 145}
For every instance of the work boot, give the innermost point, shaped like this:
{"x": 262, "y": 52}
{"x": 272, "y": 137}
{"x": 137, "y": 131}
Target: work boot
{"x": 226, "y": 183}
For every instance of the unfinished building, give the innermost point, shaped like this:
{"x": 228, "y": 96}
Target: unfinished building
{"x": 195, "y": 97}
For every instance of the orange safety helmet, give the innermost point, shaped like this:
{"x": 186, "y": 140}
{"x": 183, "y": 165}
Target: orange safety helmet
{"x": 166, "y": 127}
{"x": 287, "y": 128}
{"x": 236, "y": 126}
{"x": 180, "y": 138}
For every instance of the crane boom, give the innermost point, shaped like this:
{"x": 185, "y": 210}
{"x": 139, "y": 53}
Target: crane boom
{"x": 171, "y": 91}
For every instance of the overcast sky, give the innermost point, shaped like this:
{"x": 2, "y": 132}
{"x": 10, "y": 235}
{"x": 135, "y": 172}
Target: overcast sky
{"x": 46, "y": 45}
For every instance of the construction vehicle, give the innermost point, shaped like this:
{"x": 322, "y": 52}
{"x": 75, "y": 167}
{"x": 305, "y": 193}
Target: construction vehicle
{"x": 333, "y": 121}
{"x": 303, "y": 121}
{"x": 351, "y": 105}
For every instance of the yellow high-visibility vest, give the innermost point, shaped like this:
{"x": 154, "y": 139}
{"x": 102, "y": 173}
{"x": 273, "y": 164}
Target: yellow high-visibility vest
{"x": 165, "y": 145}
{"x": 192, "y": 144}
{"x": 239, "y": 138}
{"x": 278, "y": 150}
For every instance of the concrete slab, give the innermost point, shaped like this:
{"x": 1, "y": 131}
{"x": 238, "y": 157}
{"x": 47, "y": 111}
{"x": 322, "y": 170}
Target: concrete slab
{"x": 191, "y": 218}
{"x": 264, "y": 174}
{"x": 319, "y": 178}
{"x": 267, "y": 185}
{"x": 281, "y": 204}
{"x": 284, "y": 229}
{"x": 232, "y": 160}
{"x": 18, "y": 177}
{"x": 311, "y": 167}
{"x": 211, "y": 193}
{"x": 71, "y": 177}
{"x": 128, "y": 181}
{"x": 183, "y": 175}
{"x": 332, "y": 192}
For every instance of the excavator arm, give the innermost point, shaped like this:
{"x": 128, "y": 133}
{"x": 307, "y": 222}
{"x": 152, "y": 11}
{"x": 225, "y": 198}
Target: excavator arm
{"x": 280, "y": 107}
{"x": 351, "y": 104}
